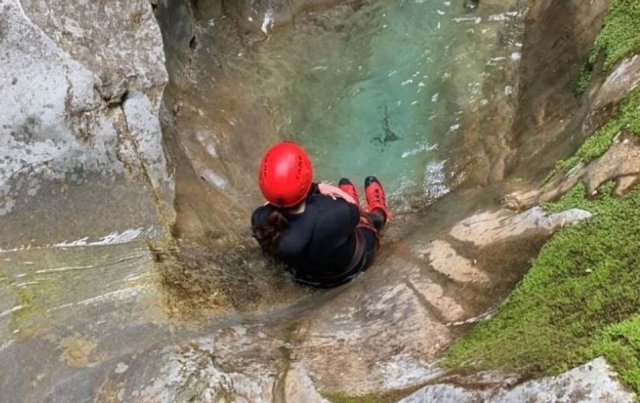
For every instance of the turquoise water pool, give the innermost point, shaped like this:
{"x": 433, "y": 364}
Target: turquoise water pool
{"x": 386, "y": 88}
{"x": 382, "y": 91}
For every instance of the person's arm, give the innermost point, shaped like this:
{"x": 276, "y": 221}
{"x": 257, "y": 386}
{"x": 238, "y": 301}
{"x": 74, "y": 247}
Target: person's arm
{"x": 339, "y": 219}
{"x": 294, "y": 243}
{"x": 335, "y": 192}
{"x": 332, "y": 220}
{"x": 260, "y": 215}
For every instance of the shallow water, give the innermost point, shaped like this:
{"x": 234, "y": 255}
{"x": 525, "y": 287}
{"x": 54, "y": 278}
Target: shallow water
{"x": 383, "y": 90}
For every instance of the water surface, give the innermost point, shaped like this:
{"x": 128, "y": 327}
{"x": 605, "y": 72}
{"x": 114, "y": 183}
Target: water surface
{"x": 383, "y": 90}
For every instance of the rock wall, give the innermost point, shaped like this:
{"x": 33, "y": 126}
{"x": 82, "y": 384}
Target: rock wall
{"x": 81, "y": 155}
{"x": 558, "y": 39}
{"x": 215, "y": 127}
{"x": 261, "y": 16}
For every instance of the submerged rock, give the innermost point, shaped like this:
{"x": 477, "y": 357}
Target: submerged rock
{"x": 471, "y": 4}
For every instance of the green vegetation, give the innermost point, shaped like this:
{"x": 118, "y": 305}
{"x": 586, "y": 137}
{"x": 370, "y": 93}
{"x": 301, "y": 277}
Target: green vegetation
{"x": 136, "y": 18}
{"x": 627, "y": 118}
{"x": 619, "y": 38}
{"x": 585, "y": 78}
{"x": 389, "y": 397}
{"x": 20, "y": 317}
{"x": 580, "y": 300}
{"x": 581, "y": 297}
{"x": 620, "y": 344}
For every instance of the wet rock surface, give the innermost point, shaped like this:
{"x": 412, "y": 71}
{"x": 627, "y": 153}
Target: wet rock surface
{"x": 605, "y": 94}
{"x": 621, "y": 163}
{"x": 79, "y": 107}
{"x": 592, "y": 382}
{"x": 381, "y": 333}
{"x": 549, "y": 122}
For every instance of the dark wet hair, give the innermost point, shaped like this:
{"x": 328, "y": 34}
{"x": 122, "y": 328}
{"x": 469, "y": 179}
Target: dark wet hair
{"x": 271, "y": 232}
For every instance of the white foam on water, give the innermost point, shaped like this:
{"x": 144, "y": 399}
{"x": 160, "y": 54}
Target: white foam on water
{"x": 267, "y": 23}
{"x": 421, "y": 148}
{"x": 119, "y": 295}
{"x": 216, "y": 180}
{"x": 476, "y": 20}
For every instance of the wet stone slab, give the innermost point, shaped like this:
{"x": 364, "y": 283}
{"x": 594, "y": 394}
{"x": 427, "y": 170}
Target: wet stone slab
{"x": 592, "y": 382}
{"x": 66, "y": 310}
{"x": 77, "y": 159}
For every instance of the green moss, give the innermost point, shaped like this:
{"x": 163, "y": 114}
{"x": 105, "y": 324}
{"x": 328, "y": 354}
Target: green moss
{"x": 35, "y": 300}
{"x": 340, "y": 397}
{"x": 620, "y": 344}
{"x": 389, "y": 397}
{"x": 27, "y": 301}
{"x": 579, "y": 300}
{"x": 620, "y": 37}
{"x": 585, "y": 78}
{"x": 627, "y": 118}
{"x": 136, "y": 18}
{"x": 581, "y": 297}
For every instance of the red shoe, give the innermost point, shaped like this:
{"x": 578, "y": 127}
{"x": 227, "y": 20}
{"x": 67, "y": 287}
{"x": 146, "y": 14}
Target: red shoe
{"x": 348, "y": 187}
{"x": 376, "y": 196}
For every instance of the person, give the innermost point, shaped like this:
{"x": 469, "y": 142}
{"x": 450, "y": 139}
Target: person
{"x": 318, "y": 231}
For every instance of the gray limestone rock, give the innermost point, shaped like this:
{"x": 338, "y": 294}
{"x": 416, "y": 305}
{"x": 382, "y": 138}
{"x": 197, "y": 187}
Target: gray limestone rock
{"x": 81, "y": 152}
{"x": 490, "y": 227}
{"x": 620, "y": 163}
{"x": 298, "y": 386}
{"x": 592, "y": 382}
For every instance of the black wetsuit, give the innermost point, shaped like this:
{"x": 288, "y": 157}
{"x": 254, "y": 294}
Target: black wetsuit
{"x": 320, "y": 245}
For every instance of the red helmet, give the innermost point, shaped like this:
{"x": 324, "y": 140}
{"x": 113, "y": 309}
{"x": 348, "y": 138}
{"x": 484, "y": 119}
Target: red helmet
{"x": 285, "y": 174}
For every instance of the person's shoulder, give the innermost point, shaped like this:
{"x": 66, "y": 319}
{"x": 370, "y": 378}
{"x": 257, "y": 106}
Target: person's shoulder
{"x": 324, "y": 202}
{"x": 318, "y": 199}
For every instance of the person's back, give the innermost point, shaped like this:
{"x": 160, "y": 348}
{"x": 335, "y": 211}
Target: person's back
{"x": 318, "y": 231}
{"x": 319, "y": 243}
